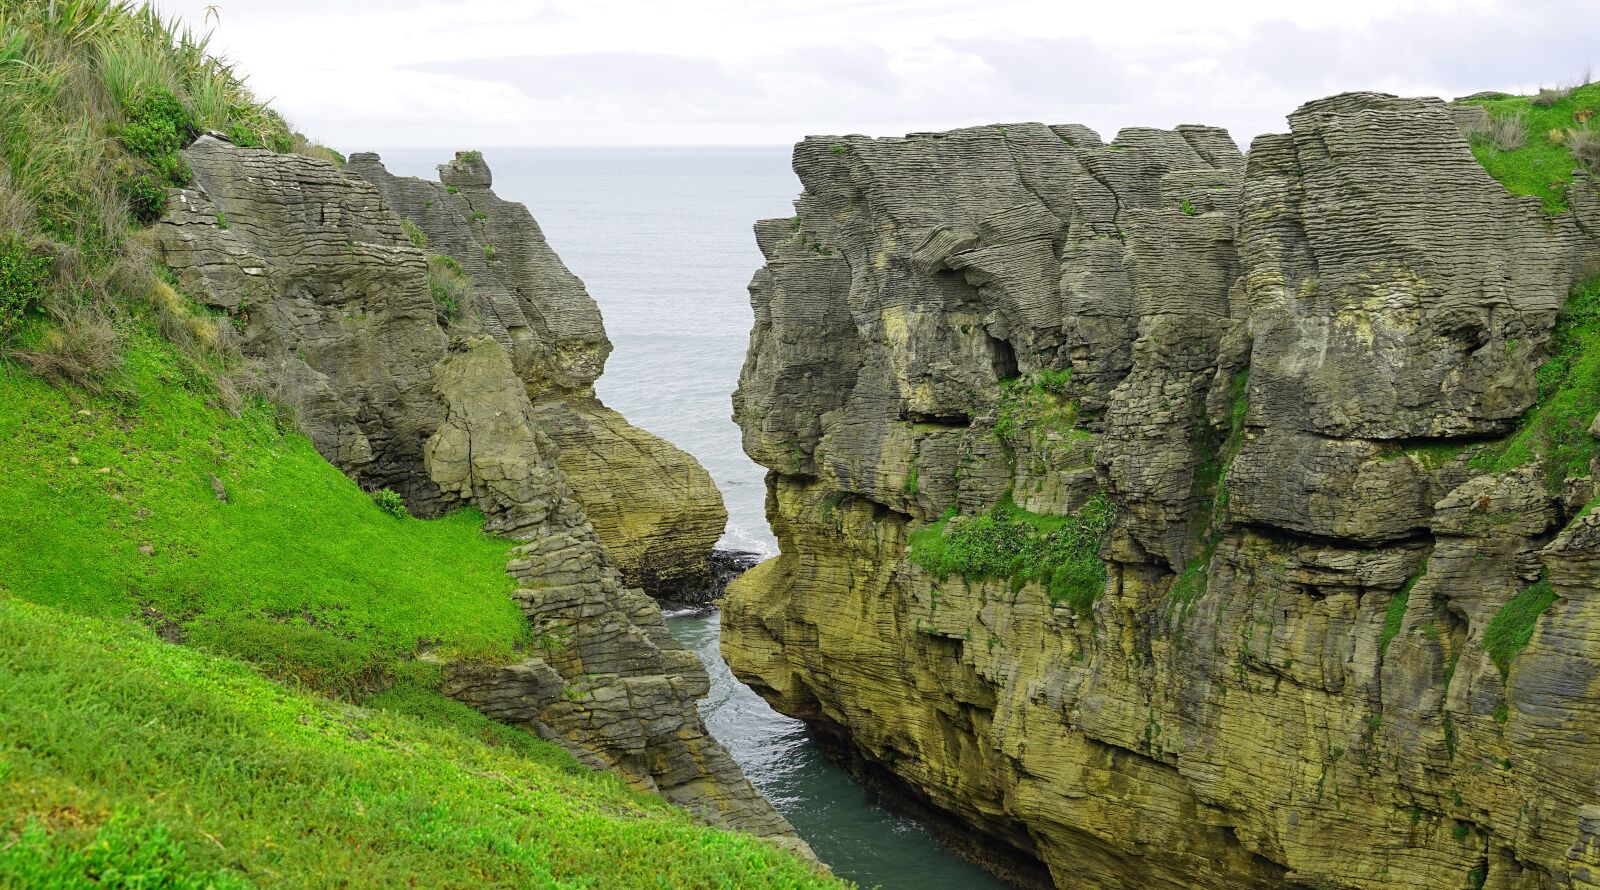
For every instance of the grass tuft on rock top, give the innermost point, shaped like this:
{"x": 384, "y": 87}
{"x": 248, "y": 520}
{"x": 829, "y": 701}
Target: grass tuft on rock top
{"x": 1556, "y": 429}
{"x": 128, "y": 762}
{"x": 1008, "y": 542}
{"x": 298, "y": 571}
{"x": 1560, "y": 130}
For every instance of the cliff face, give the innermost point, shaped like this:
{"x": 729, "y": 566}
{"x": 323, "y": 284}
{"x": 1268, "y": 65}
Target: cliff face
{"x": 477, "y": 403}
{"x": 1171, "y": 516}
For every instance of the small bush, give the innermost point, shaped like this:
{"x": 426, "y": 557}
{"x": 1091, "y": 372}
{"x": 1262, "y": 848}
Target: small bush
{"x": 157, "y": 128}
{"x": 23, "y": 278}
{"x": 146, "y": 197}
{"x": 1585, "y": 146}
{"x": 390, "y": 502}
{"x": 488, "y": 252}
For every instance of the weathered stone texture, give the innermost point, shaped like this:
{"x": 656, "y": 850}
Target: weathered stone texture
{"x": 1282, "y": 368}
{"x": 491, "y": 409}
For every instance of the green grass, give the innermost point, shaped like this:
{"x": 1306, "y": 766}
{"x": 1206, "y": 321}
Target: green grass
{"x": 1543, "y": 166}
{"x": 1512, "y": 627}
{"x": 1556, "y": 428}
{"x": 1396, "y": 616}
{"x": 299, "y": 570}
{"x": 1215, "y": 453}
{"x": 1008, "y": 542}
{"x": 128, "y": 762}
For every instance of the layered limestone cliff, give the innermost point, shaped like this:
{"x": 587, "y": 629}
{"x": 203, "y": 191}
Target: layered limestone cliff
{"x": 1336, "y": 626}
{"x": 486, "y": 402}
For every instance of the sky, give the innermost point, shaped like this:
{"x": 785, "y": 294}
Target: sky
{"x": 359, "y": 74}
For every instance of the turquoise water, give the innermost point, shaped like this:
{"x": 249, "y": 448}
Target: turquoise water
{"x": 662, "y": 238}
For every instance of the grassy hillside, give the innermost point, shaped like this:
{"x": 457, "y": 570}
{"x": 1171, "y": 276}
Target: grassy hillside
{"x": 298, "y": 570}
{"x": 129, "y": 762}
{"x": 209, "y": 636}
{"x": 1534, "y": 142}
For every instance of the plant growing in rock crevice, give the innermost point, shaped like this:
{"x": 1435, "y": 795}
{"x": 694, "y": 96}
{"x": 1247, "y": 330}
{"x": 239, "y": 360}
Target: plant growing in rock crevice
{"x": 449, "y": 285}
{"x": 1008, "y": 542}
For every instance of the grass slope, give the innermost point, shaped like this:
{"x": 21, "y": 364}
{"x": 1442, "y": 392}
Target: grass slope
{"x": 129, "y": 762}
{"x": 299, "y": 571}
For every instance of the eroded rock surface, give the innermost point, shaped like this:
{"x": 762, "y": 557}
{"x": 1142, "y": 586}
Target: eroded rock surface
{"x": 1285, "y": 374}
{"x": 332, "y": 299}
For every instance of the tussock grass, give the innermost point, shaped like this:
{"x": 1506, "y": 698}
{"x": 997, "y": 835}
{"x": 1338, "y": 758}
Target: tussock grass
{"x": 96, "y": 99}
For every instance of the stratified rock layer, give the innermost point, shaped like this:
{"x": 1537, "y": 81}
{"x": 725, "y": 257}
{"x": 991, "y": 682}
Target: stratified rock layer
{"x": 332, "y": 298}
{"x": 1282, "y": 369}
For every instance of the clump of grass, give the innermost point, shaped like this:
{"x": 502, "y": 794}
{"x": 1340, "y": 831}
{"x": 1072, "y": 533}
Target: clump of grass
{"x": 1556, "y": 428}
{"x": 416, "y": 236}
{"x": 128, "y": 762}
{"x": 1512, "y": 627}
{"x": 1529, "y": 146}
{"x": 449, "y": 284}
{"x": 1008, "y": 542}
{"x": 82, "y": 349}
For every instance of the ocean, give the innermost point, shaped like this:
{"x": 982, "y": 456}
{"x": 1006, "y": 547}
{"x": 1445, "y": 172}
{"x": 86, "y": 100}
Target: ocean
{"x": 662, "y": 238}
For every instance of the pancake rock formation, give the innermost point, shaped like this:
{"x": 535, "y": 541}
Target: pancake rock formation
{"x": 431, "y": 342}
{"x": 1157, "y": 513}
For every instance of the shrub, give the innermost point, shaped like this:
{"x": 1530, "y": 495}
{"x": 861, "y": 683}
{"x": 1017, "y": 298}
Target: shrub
{"x": 23, "y": 276}
{"x": 390, "y": 502}
{"x": 146, "y": 197}
{"x": 157, "y": 128}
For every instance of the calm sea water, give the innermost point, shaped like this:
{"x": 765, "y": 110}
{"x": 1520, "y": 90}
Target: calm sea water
{"x": 662, "y": 237}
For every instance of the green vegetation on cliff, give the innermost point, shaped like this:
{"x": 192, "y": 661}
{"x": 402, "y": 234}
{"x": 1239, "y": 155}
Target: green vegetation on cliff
{"x": 1534, "y": 142}
{"x": 1512, "y": 627}
{"x": 129, "y": 762}
{"x": 1556, "y": 429}
{"x": 298, "y": 570}
{"x": 1008, "y": 542}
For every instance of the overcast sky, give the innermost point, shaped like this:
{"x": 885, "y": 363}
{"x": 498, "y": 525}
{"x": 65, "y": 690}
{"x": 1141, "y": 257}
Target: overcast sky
{"x": 487, "y": 73}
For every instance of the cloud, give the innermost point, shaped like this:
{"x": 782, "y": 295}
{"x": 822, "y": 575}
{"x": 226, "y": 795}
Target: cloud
{"x": 632, "y": 76}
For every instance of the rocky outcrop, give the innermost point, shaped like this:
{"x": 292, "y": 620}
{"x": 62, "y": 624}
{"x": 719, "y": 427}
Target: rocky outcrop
{"x": 654, "y": 507}
{"x": 1340, "y": 639}
{"x": 478, "y": 404}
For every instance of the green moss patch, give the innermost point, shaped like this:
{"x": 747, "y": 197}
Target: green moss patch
{"x": 1008, "y": 542}
{"x": 1512, "y": 627}
{"x": 1556, "y": 428}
